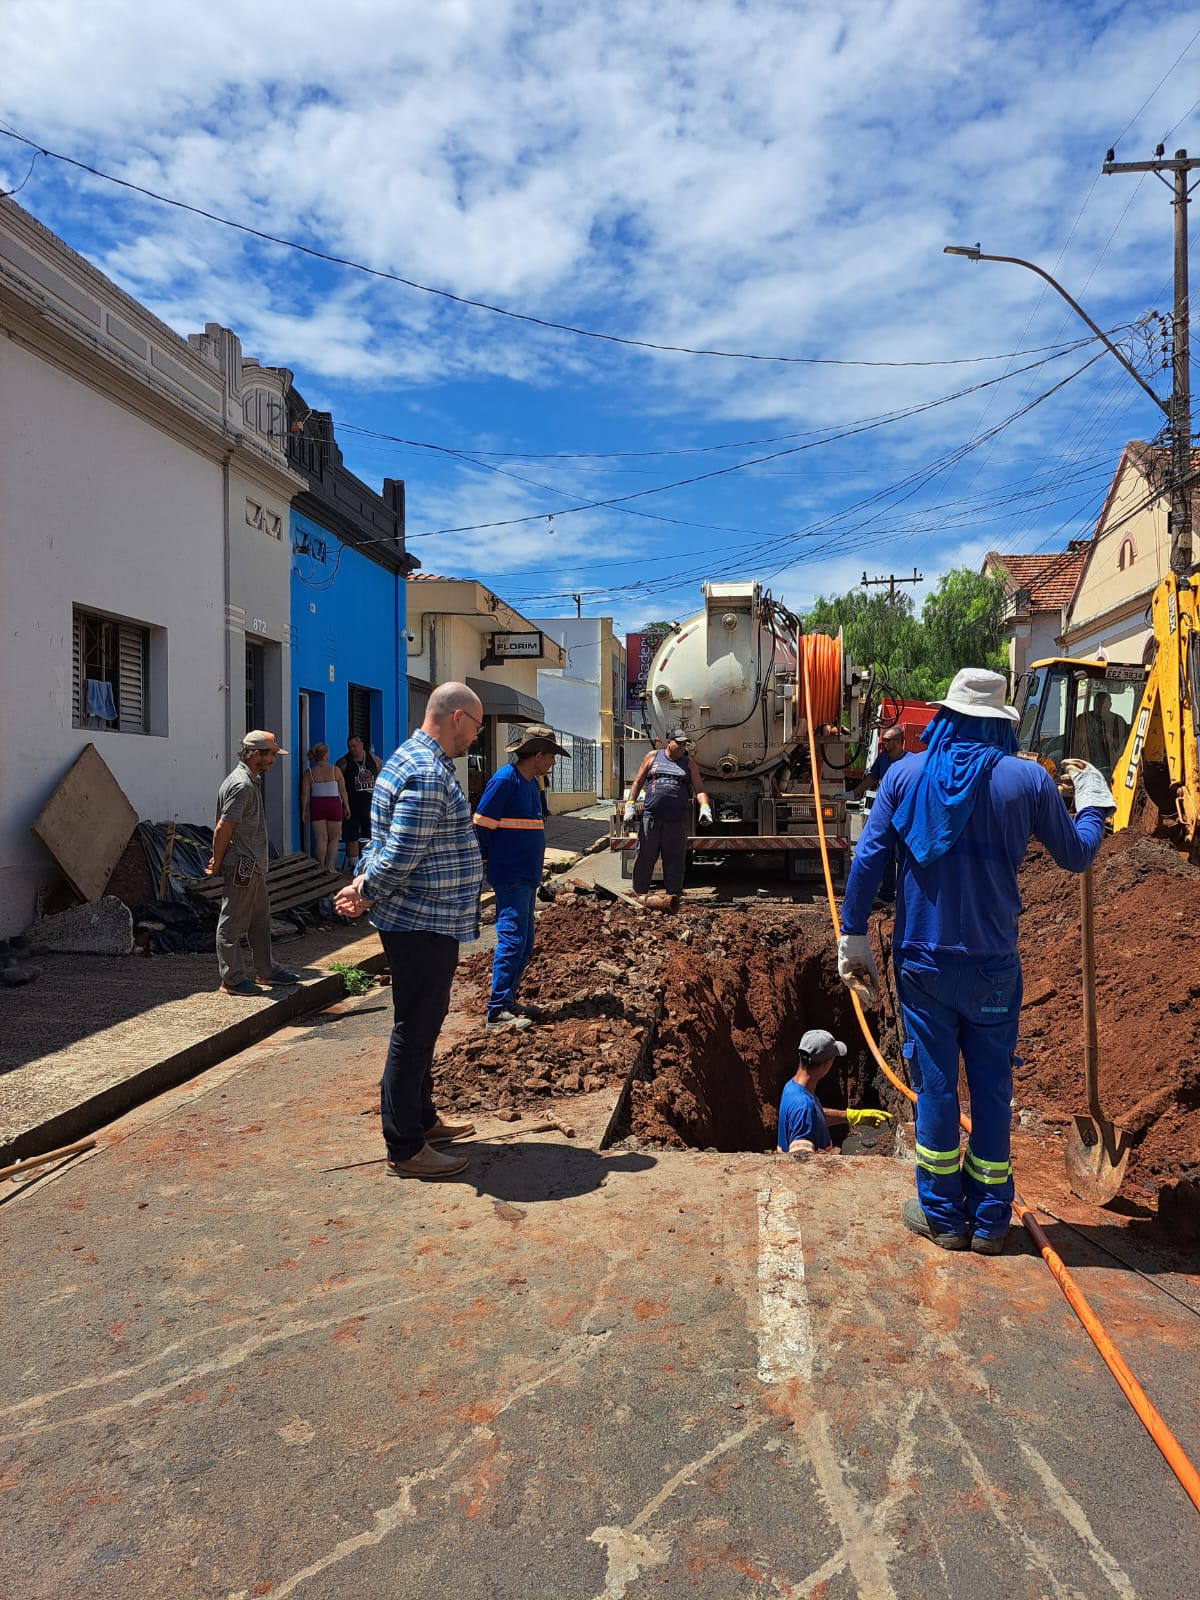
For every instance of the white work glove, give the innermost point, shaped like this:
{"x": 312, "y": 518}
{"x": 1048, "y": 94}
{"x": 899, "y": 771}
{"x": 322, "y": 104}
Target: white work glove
{"x": 706, "y": 816}
{"x": 1090, "y": 787}
{"x": 856, "y": 967}
{"x": 630, "y": 812}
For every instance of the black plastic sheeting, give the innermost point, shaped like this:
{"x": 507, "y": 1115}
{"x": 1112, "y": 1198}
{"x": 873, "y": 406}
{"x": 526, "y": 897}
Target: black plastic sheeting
{"x": 181, "y": 923}
{"x": 189, "y": 855}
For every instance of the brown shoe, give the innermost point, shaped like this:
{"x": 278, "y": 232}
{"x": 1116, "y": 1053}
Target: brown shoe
{"x": 427, "y": 1163}
{"x": 444, "y": 1132}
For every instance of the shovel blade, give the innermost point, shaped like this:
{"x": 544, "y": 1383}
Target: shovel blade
{"x": 1097, "y": 1154}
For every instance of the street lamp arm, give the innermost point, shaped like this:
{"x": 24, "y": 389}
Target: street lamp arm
{"x": 1017, "y": 261}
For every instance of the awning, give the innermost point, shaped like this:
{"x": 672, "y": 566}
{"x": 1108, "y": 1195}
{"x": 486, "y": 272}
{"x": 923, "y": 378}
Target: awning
{"x": 502, "y": 700}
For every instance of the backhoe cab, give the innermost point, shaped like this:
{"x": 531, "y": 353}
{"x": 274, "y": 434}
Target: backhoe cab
{"x": 1082, "y": 708}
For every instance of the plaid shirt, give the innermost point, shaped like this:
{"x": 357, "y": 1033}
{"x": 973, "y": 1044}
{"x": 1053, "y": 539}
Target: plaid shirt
{"x": 422, "y": 867}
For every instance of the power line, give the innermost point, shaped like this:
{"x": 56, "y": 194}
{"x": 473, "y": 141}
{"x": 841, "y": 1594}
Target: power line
{"x": 465, "y": 300}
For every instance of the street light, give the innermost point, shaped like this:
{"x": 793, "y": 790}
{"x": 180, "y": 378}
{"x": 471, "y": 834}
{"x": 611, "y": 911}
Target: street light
{"x": 974, "y": 253}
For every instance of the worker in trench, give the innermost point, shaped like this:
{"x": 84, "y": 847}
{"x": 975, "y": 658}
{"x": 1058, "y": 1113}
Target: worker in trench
{"x": 803, "y": 1121}
{"x": 670, "y": 778}
{"x": 960, "y": 817}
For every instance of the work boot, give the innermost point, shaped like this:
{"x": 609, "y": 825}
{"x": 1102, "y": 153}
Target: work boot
{"x": 915, "y": 1220}
{"x": 427, "y": 1163}
{"x": 282, "y": 976}
{"x": 444, "y": 1132}
{"x": 506, "y": 1022}
{"x": 243, "y": 986}
{"x": 988, "y": 1244}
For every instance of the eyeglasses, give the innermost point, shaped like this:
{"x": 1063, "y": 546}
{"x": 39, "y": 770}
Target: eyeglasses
{"x": 478, "y": 721}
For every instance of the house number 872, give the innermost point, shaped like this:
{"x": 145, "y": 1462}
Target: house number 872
{"x": 258, "y": 624}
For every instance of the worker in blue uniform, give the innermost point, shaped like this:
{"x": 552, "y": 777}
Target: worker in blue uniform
{"x": 891, "y": 749}
{"x": 511, "y": 831}
{"x": 960, "y": 817}
{"x": 803, "y": 1126}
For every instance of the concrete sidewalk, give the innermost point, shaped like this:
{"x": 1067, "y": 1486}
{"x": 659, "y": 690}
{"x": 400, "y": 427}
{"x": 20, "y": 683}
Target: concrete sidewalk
{"x": 99, "y": 1034}
{"x": 236, "y": 1363}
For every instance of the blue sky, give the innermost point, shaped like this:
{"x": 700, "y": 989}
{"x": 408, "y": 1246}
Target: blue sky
{"x": 754, "y": 176}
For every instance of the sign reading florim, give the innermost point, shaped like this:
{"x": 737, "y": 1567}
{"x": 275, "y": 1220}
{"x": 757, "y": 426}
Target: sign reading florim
{"x": 506, "y": 646}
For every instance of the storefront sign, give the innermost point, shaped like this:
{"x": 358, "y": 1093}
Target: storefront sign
{"x": 531, "y": 646}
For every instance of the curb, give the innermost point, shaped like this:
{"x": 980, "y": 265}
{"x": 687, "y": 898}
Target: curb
{"x": 78, "y": 1121}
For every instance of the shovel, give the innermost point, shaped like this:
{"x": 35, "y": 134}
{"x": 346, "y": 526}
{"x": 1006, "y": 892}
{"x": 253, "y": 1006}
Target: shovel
{"x": 1097, "y": 1150}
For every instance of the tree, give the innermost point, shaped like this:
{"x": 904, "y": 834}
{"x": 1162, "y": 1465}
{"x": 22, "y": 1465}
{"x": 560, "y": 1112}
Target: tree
{"x": 959, "y": 627}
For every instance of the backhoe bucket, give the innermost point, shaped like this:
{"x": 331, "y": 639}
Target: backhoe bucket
{"x": 1097, "y": 1150}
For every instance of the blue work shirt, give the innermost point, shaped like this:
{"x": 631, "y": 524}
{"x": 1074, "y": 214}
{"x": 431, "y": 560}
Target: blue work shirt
{"x": 882, "y": 763}
{"x": 967, "y": 901}
{"x": 801, "y": 1117}
{"x": 510, "y": 828}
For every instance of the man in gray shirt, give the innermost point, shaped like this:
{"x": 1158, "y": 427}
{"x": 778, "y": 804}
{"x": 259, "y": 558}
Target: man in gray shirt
{"x": 241, "y": 855}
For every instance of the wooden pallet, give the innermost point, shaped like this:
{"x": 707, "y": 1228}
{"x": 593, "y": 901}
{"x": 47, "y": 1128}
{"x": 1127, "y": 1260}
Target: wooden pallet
{"x": 291, "y": 881}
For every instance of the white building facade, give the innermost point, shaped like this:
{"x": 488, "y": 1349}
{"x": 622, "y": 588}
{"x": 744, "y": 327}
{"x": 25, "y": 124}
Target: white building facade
{"x": 127, "y": 455}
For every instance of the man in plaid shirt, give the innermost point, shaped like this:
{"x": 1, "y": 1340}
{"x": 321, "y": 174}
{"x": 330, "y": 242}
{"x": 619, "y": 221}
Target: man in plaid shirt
{"x": 419, "y": 879}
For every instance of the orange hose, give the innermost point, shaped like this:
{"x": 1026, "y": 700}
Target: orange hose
{"x": 1172, "y": 1451}
{"x": 820, "y": 660}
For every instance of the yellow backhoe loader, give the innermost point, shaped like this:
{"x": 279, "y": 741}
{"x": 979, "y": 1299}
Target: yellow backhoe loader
{"x": 1160, "y": 755}
{"x": 1137, "y": 724}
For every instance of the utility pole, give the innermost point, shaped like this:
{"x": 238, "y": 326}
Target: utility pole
{"x": 1179, "y": 411}
{"x": 578, "y": 599}
{"x": 891, "y": 580}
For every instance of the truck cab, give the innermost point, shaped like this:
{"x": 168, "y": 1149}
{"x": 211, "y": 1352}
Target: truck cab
{"x": 1082, "y": 708}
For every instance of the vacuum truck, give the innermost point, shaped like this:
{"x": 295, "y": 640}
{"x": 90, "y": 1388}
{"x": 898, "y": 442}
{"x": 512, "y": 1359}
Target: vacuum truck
{"x": 732, "y": 677}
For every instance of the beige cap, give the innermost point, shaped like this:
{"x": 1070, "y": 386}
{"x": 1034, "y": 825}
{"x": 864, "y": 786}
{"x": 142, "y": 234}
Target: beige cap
{"x": 261, "y": 739}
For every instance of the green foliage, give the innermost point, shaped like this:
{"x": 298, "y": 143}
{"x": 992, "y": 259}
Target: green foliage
{"x": 354, "y": 979}
{"x": 959, "y": 626}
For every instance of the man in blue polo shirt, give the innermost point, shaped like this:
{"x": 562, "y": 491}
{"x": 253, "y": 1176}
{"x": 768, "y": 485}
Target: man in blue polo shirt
{"x": 803, "y": 1130}
{"x": 512, "y": 838}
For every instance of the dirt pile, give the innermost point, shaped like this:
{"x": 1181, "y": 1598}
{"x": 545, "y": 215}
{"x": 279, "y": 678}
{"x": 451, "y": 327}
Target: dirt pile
{"x": 595, "y": 983}
{"x": 1147, "y": 1000}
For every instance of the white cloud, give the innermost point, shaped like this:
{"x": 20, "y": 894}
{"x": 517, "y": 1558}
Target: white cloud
{"x": 747, "y": 174}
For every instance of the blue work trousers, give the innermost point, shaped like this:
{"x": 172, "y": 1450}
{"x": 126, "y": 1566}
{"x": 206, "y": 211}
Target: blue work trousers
{"x": 961, "y": 1005}
{"x": 514, "y": 943}
{"x": 422, "y": 967}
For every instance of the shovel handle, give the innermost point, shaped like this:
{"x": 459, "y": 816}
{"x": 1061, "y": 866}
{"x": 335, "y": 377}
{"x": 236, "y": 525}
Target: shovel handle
{"x": 1087, "y": 941}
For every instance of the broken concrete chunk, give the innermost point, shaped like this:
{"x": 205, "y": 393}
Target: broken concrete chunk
{"x": 104, "y": 928}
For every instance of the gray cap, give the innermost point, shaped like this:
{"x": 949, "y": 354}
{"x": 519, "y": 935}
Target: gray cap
{"x": 679, "y": 735}
{"x": 817, "y": 1045}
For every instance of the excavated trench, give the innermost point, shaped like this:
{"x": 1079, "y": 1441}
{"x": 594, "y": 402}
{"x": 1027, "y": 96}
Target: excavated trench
{"x": 725, "y": 1044}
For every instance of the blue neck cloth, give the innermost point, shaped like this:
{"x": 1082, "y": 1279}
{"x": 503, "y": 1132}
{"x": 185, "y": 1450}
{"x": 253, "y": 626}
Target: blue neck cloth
{"x": 961, "y": 752}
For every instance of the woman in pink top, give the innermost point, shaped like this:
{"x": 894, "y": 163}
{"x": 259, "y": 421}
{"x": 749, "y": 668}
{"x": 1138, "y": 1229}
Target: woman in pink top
{"x": 323, "y": 805}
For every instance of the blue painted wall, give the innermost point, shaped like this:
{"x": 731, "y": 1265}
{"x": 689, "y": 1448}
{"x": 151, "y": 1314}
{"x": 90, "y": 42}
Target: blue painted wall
{"x": 348, "y": 617}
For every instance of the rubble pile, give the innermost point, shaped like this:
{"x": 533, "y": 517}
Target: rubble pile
{"x": 594, "y": 982}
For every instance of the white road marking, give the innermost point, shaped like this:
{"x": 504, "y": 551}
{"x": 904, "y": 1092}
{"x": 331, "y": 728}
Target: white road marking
{"x": 1074, "y": 1516}
{"x": 785, "y": 1340}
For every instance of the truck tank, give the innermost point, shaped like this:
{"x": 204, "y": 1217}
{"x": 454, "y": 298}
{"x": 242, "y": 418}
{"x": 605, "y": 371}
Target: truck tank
{"x": 729, "y": 677}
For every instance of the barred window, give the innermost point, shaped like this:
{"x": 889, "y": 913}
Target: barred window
{"x": 110, "y": 673}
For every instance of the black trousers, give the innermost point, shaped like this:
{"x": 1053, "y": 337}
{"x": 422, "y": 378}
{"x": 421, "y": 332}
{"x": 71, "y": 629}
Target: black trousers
{"x": 422, "y": 971}
{"x": 668, "y": 839}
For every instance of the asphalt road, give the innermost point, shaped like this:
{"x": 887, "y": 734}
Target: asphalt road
{"x": 226, "y": 1370}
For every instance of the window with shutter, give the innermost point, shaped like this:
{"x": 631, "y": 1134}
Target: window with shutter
{"x": 113, "y": 655}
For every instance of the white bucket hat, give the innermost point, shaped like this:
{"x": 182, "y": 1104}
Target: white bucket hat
{"x": 976, "y": 692}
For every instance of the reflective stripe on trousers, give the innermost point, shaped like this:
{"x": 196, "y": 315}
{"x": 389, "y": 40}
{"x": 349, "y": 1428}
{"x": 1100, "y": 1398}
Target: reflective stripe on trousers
{"x": 961, "y": 1006}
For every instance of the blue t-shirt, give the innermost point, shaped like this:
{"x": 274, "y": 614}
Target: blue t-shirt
{"x": 801, "y": 1117}
{"x": 967, "y": 901}
{"x": 882, "y": 762}
{"x": 510, "y": 828}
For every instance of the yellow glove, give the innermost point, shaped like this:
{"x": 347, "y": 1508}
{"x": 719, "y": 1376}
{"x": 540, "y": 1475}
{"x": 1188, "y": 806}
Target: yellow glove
{"x": 867, "y": 1114}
